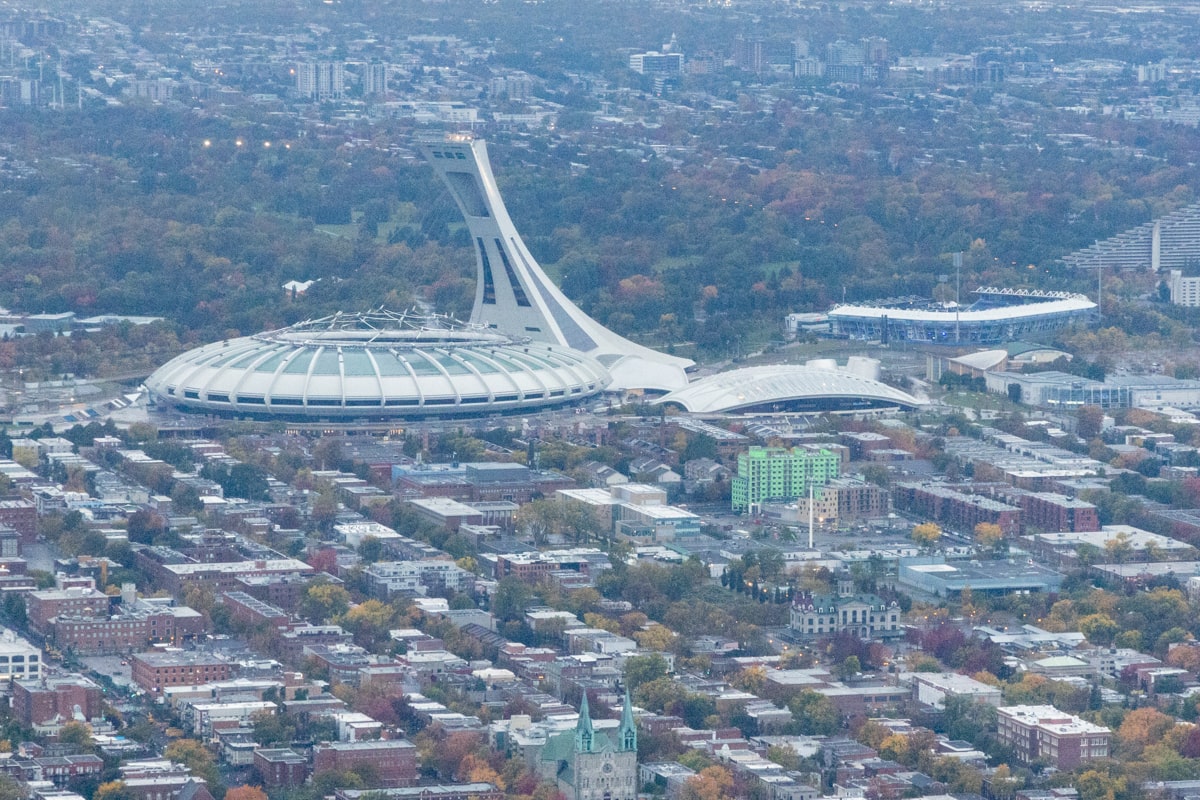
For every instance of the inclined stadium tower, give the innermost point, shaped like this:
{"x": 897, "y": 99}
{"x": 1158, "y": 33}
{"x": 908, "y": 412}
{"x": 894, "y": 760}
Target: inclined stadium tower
{"x": 513, "y": 294}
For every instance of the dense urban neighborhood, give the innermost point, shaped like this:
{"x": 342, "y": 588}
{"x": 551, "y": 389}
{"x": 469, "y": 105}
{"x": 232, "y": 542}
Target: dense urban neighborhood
{"x": 822, "y": 421}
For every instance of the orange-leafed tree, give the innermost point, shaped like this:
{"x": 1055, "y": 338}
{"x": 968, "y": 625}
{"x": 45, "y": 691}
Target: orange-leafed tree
{"x": 246, "y": 793}
{"x": 711, "y": 783}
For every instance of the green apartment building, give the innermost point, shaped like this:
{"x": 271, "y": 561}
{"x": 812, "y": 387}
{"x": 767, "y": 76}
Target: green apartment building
{"x": 780, "y": 474}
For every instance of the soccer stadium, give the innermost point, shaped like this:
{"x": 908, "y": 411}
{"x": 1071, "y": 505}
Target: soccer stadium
{"x": 997, "y": 315}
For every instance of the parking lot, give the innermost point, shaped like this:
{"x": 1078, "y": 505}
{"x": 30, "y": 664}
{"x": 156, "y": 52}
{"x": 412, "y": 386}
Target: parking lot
{"x": 120, "y": 673}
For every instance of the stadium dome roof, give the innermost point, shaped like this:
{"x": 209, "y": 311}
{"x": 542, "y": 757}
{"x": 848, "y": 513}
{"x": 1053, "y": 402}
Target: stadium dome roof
{"x": 775, "y": 389}
{"x": 378, "y": 365}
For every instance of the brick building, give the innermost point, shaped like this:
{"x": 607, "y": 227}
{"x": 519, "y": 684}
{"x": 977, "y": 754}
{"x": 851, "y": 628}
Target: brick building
{"x": 253, "y": 612}
{"x": 59, "y": 770}
{"x": 959, "y": 510}
{"x": 1043, "y": 733}
{"x": 1050, "y": 512}
{"x": 41, "y": 607}
{"x": 20, "y": 515}
{"x": 283, "y": 591}
{"x": 292, "y": 643}
{"x": 535, "y": 565}
{"x": 177, "y": 574}
{"x": 1057, "y": 512}
{"x": 280, "y": 767}
{"x": 155, "y": 671}
{"x": 394, "y": 760}
{"x": 444, "y": 791}
{"x": 858, "y": 499}
{"x": 46, "y": 704}
{"x": 133, "y": 628}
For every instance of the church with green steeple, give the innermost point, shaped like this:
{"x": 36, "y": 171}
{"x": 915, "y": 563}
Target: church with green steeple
{"x": 592, "y": 765}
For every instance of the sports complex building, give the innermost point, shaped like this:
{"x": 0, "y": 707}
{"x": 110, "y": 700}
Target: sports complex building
{"x": 998, "y": 315}
{"x": 527, "y": 348}
{"x": 818, "y": 386}
{"x": 372, "y": 366}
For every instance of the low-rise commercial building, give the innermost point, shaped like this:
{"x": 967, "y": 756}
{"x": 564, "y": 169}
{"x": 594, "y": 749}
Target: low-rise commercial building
{"x": 941, "y": 578}
{"x": 932, "y": 689}
{"x": 533, "y": 566}
{"x": 19, "y": 660}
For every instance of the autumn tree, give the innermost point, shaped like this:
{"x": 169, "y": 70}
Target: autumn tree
{"x": 444, "y": 755}
{"x": 814, "y": 714}
{"x": 112, "y": 790}
{"x": 895, "y": 748}
{"x": 989, "y": 535}
{"x": 1089, "y": 421}
{"x": 751, "y": 679}
{"x": 1003, "y": 783}
{"x": 76, "y": 733}
{"x": 1095, "y": 784}
{"x": 1141, "y": 728}
{"x": 926, "y": 534}
{"x": 323, "y": 601}
{"x": 1184, "y": 657}
{"x": 872, "y": 734}
{"x": 476, "y": 769}
{"x": 711, "y": 783}
{"x": 246, "y": 793}
{"x": 655, "y": 637}
{"x": 370, "y": 622}
{"x": 193, "y": 755}
{"x": 1100, "y": 629}
{"x": 640, "y": 670}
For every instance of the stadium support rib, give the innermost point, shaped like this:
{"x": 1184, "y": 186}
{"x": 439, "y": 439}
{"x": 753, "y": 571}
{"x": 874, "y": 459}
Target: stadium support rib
{"x": 514, "y": 295}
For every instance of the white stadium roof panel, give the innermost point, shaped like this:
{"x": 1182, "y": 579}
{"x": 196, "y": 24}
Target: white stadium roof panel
{"x": 783, "y": 388}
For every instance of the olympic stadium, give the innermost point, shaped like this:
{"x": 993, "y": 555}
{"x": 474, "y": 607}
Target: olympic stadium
{"x": 526, "y": 348}
{"x": 376, "y": 365}
{"x": 998, "y": 315}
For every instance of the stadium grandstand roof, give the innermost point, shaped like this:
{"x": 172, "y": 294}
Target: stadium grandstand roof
{"x": 783, "y": 388}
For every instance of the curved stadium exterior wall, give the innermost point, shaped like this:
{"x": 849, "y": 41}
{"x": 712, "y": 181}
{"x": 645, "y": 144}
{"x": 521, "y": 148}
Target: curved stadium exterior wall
{"x": 375, "y": 366}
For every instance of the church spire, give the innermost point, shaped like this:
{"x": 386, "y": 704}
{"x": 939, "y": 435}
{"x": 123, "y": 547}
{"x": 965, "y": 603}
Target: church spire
{"x": 627, "y": 733}
{"x": 585, "y": 735}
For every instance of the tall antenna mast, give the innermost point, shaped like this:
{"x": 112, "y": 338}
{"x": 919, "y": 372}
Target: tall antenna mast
{"x": 957, "y": 294}
{"x": 810, "y": 514}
